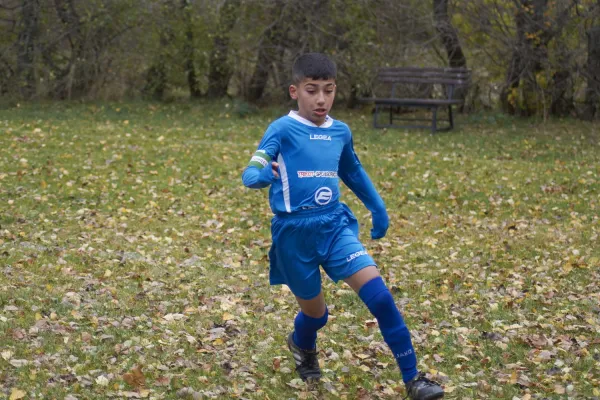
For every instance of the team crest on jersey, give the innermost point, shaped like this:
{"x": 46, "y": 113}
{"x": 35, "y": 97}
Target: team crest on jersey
{"x": 320, "y": 137}
{"x": 323, "y": 196}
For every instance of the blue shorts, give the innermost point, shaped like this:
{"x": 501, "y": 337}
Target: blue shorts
{"x": 326, "y": 236}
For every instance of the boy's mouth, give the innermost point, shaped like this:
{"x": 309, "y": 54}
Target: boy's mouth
{"x": 320, "y": 112}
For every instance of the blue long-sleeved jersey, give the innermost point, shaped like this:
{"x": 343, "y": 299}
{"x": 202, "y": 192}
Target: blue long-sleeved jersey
{"x": 311, "y": 161}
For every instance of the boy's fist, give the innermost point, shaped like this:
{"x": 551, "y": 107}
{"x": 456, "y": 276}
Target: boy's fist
{"x": 269, "y": 175}
{"x": 381, "y": 222}
{"x": 275, "y": 168}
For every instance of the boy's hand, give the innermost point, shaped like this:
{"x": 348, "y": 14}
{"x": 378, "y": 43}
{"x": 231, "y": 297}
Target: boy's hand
{"x": 269, "y": 175}
{"x": 381, "y": 222}
{"x": 275, "y": 168}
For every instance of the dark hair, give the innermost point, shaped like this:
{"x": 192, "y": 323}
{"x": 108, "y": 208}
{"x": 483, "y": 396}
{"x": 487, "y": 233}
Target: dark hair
{"x": 314, "y": 66}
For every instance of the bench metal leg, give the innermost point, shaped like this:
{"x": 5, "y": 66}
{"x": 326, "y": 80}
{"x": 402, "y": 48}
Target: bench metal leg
{"x": 375, "y": 116}
{"x": 434, "y": 125}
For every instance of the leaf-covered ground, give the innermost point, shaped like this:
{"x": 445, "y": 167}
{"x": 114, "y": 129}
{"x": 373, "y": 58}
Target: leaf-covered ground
{"x": 133, "y": 261}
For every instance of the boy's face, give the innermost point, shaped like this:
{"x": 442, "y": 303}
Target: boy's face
{"x": 315, "y": 98}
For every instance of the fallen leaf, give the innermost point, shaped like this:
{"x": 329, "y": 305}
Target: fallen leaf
{"x": 17, "y": 394}
{"x": 135, "y": 377}
{"x": 102, "y": 380}
{"x": 228, "y": 317}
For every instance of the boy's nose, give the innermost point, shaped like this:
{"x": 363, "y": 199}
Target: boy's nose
{"x": 320, "y": 99}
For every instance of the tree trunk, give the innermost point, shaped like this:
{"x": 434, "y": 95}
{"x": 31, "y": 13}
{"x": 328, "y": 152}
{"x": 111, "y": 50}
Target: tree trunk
{"x": 592, "y": 95}
{"x": 528, "y": 58}
{"x": 260, "y": 77}
{"x": 27, "y": 47}
{"x": 456, "y": 57}
{"x": 66, "y": 77}
{"x": 156, "y": 78}
{"x": 220, "y": 71}
{"x": 443, "y": 25}
{"x": 6, "y": 76}
{"x": 562, "y": 95}
{"x": 269, "y": 52}
{"x": 188, "y": 50}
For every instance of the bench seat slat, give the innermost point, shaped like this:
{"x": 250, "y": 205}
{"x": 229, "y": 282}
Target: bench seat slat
{"x": 424, "y": 70}
{"x": 431, "y": 77}
{"x": 392, "y": 101}
{"x": 420, "y": 73}
{"x": 398, "y": 79}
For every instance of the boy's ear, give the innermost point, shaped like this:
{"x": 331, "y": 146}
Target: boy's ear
{"x": 293, "y": 92}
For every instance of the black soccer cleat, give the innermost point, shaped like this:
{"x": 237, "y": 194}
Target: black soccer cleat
{"x": 421, "y": 388}
{"x": 307, "y": 363}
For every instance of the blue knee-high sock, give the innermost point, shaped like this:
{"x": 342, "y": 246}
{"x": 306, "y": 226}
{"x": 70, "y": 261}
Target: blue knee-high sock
{"x": 305, "y": 329}
{"x": 380, "y": 302}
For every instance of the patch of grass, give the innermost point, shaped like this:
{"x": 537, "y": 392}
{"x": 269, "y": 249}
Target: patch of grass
{"x": 127, "y": 238}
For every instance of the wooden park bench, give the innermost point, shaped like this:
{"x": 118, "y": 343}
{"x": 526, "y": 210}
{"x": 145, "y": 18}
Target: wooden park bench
{"x": 435, "y": 88}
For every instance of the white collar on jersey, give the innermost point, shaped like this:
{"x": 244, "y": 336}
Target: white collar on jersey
{"x": 328, "y": 120}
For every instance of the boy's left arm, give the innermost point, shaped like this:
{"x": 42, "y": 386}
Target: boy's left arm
{"x": 355, "y": 177}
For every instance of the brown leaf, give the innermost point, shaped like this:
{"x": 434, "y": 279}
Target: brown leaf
{"x": 276, "y": 364}
{"x": 371, "y": 323}
{"x": 363, "y": 394}
{"x": 538, "y": 341}
{"x": 135, "y": 377}
{"x": 162, "y": 381}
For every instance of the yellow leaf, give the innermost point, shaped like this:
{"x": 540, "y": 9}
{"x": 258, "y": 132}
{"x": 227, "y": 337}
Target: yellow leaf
{"x": 227, "y": 316}
{"x": 107, "y": 273}
{"x": 38, "y": 316}
{"x": 218, "y": 341}
{"x": 76, "y": 314}
{"x": 16, "y": 394}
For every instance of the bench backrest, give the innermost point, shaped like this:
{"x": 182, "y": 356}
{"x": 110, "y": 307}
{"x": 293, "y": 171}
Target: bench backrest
{"x": 426, "y": 76}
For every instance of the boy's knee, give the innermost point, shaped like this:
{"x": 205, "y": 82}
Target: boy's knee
{"x": 322, "y": 321}
{"x": 324, "y": 318}
{"x": 311, "y": 322}
{"x": 382, "y": 302}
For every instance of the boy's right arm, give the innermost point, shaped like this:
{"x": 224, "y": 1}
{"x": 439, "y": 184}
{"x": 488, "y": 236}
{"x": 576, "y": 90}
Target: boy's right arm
{"x": 256, "y": 177}
{"x": 261, "y": 170}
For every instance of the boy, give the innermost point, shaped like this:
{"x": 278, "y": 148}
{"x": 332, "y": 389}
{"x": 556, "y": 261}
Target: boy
{"x": 302, "y": 156}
